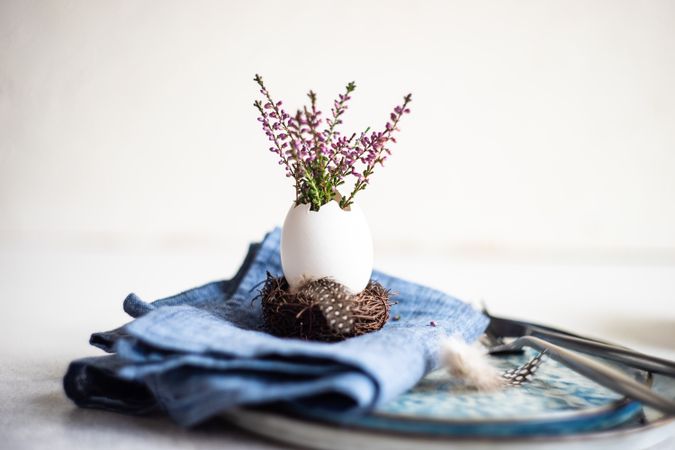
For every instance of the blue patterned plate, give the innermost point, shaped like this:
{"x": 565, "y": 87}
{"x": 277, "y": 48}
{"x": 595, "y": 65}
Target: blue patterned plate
{"x": 557, "y": 401}
{"x": 551, "y": 414}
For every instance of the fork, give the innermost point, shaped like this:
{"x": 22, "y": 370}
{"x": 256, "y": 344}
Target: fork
{"x": 500, "y": 328}
{"x": 538, "y": 336}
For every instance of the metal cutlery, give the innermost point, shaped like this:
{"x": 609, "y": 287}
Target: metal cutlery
{"x": 500, "y": 328}
{"x": 564, "y": 347}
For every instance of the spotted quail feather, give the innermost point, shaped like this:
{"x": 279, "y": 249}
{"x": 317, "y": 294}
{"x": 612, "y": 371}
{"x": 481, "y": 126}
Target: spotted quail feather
{"x": 523, "y": 374}
{"x": 334, "y": 301}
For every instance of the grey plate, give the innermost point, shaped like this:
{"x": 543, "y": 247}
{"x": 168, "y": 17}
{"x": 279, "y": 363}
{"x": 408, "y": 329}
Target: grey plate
{"x": 424, "y": 419}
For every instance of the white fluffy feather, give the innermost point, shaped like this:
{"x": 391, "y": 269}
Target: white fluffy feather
{"x": 470, "y": 363}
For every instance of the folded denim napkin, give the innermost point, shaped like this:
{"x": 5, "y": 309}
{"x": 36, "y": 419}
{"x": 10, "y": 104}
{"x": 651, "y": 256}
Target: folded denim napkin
{"x": 205, "y": 351}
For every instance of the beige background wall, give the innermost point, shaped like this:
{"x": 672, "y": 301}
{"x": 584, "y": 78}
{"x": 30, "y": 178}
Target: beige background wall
{"x": 538, "y": 127}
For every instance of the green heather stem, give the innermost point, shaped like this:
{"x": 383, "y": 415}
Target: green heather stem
{"x": 363, "y": 182}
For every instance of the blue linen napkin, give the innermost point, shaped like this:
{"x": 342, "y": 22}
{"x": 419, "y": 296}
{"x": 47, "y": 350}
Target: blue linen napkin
{"x": 204, "y": 351}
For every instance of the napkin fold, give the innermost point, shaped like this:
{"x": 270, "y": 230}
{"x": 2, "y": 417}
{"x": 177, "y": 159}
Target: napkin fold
{"x": 204, "y": 351}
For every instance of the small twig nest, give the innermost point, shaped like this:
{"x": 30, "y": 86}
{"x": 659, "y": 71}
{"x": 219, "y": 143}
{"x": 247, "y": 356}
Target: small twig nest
{"x": 323, "y": 310}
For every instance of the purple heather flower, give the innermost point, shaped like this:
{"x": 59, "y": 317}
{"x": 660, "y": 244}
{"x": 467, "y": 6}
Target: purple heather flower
{"x": 314, "y": 156}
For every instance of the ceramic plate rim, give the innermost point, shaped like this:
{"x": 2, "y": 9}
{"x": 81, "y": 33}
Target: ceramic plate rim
{"x": 549, "y": 417}
{"x": 256, "y": 414}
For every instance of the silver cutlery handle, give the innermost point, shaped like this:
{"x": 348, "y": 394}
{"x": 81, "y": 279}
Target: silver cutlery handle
{"x": 601, "y": 373}
{"x": 607, "y": 351}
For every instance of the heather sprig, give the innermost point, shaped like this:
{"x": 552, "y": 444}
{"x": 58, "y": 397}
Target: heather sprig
{"x": 317, "y": 155}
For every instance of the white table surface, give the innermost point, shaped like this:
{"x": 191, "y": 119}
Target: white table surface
{"x": 53, "y": 299}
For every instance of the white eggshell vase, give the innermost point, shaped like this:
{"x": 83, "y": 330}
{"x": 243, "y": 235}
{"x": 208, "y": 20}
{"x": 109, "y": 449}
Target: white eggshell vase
{"x": 331, "y": 242}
